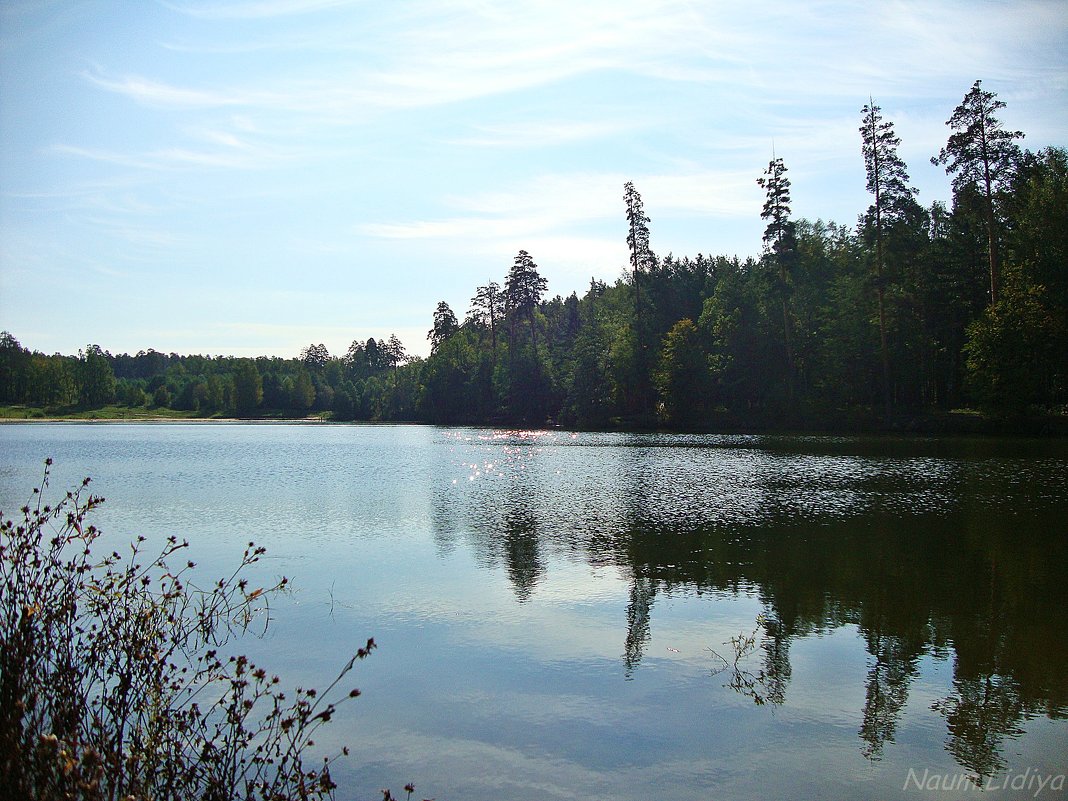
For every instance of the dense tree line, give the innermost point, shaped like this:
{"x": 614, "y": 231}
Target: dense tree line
{"x": 914, "y": 309}
{"x": 364, "y": 384}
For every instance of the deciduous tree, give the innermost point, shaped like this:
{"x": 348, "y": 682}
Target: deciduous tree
{"x": 315, "y": 357}
{"x": 394, "y": 352}
{"x": 683, "y": 377}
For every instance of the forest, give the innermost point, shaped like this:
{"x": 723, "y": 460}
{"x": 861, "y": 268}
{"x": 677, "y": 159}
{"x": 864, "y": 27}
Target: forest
{"x": 910, "y": 313}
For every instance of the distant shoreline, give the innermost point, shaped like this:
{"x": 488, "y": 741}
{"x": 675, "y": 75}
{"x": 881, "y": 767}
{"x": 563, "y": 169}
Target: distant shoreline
{"x": 961, "y": 423}
{"x": 229, "y": 421}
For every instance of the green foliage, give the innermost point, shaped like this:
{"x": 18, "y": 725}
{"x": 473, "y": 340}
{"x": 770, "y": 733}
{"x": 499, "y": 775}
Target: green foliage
{"x": 589, "y": 400}
{"x": 52, "y": 381}
{"x": 303, "y": 393}
{"x": 1011, "y": 353}
{"x": 315, "y": 357}
{"x": 14, "y": 368}
{"x": 248, "y": 387}
{"x": 113, "y": 682}
{"x": 487, "y": 310}
{"x": 161, "y": 397}
{"x": 683, "y": 378}
{"x": 445, "y": 325}
{"x": 980, "y": 151}
{"x": 450, "y": 386}
{"x": 523, "y": 290}
{"x": 888, "y": 182}
{"x": 981, "y": 155}
{"x": 95, "y": 377}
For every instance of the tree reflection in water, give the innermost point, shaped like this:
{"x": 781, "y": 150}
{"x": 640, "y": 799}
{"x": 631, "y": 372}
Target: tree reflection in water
{"x": 910, "y": 589}
{"x": 522, "y": 551}
{"x": 767, "y": 685}
{"x": 926, "y": 557}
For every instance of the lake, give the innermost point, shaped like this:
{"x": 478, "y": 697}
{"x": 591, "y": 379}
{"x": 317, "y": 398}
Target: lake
{"x": 554, "y": 610}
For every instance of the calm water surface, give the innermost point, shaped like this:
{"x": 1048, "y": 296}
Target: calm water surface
{"x": 549, "y": 606}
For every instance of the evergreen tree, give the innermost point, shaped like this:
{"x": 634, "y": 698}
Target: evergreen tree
{"x": 449, "y": 391}
{"x": 641, "y": 257}
{"x": 589, "y": 398}
{"x": 980, "y": 153}
{"x": 488, "y": 309}
{"x": 1017, "y": 350}
{"x": 780, "y": 247}
{"x": 445, "y": 325}
{"x": 522, "y": 293}
{"x": 888, "y": 182}
{"x": 642, "y": 262}
{"x": 375, "y": 357}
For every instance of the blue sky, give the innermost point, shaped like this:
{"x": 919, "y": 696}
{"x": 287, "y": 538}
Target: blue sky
{"x": 251, "y": 177}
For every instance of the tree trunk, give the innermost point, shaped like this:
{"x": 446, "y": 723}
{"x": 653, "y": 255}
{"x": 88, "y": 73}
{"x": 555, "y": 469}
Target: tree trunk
{"x": 884, "y": 351}
{"x": 991, "y": 236}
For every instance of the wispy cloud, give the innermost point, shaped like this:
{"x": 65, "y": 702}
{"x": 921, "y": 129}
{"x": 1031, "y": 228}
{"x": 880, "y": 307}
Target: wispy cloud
{"x": 156, "y": 93}
{"x": 543, "y": 133}
{"x": 436, "y": 53}
{"x": 230, "y": 152}
{"x": 258, "y": 9}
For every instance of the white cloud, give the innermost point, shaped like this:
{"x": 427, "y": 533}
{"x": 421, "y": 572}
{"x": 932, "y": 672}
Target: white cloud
{"x": 233, "y": 154}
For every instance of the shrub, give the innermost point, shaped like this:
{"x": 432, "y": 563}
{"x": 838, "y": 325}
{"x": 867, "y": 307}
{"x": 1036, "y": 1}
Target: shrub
{"x": 112, "y": 681}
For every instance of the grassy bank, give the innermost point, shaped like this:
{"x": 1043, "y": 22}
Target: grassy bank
{"x": 134, "y": 413}
{"x": 19, "y": 412}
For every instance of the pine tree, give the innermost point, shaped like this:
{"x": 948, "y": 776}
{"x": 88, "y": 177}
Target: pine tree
{"x": 642, "y": 261}
{"x": 641, "y": 257}
{"x": 780, "y": 246}
{"x": 888, "y": 182}
{"x": 488, "y": 309}
{"x": 523, "y": 291}
{"x": 981, "y": 154}
{"x": 445, "y": 325}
